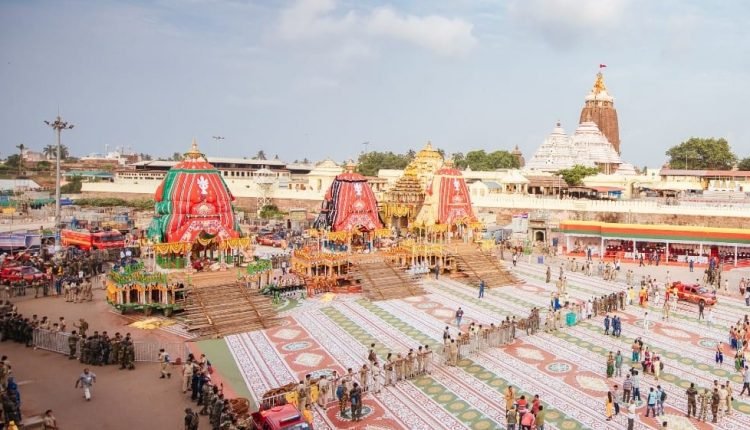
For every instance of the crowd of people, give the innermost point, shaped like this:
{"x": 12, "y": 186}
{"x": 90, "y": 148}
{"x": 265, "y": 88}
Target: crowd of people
{"x": 10, "y": 396}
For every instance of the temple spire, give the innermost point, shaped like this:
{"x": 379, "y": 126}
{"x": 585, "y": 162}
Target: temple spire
{"x": 194, "y": 152}
{"x": 599, "y": 84}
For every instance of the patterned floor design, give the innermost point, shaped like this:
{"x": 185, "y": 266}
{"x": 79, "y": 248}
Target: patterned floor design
{"x": 566, "y": 368}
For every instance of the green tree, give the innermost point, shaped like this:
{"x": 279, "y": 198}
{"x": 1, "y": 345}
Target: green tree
{"x": 72, "y": 187}
{"x": 43, "y": 166}
{"x": 13, "y": 161}
{"x": 459, "y": 160}
{"x": 145, "y": 157}
{"x": 176, "y": 156}
{"x": 702, "y": 153}
{"x": 744, "y": 164}
{"x": 50, "y": 151}
{"x": 575, "y": 175}
{"x": 270, "y": 212}
{"x": 21, "y": 148}
{"x": 481, "y": 160}
{"x": 371, "y": 162}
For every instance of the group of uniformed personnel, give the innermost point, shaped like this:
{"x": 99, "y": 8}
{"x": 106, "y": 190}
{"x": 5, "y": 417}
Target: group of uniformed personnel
{"x": 100, "y": 349}
{"x": 210, "y": 397}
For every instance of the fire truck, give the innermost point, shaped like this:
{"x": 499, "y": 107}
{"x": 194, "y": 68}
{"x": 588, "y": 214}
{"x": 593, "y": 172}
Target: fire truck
{"x": 88, "y": 240}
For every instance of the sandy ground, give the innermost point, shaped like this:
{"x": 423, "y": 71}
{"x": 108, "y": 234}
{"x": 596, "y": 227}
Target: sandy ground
{"x": 122, "y": 399}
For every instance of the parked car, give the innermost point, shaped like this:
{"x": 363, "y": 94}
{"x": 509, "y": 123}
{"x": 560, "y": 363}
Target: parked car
{"x": 694, "y": 293}
{"x": 270, "y": 240}
{"x": 18, "y": 273}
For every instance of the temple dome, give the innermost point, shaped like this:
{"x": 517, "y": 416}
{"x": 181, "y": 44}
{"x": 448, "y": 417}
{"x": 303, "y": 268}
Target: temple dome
{"x": 587, "y": 146}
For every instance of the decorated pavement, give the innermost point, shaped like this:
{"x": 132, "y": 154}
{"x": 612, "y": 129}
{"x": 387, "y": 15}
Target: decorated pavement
{"x": 566, "y": 368}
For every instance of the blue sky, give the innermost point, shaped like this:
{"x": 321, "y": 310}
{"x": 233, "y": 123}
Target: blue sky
{"x": 316, "y": 78}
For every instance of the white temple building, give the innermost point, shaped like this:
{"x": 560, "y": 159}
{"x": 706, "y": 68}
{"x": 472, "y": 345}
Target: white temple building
{"x": 587, "y": 146}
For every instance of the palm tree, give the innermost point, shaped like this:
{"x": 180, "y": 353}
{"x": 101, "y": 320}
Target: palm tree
{"x": 21, "y": 148}
{"x": 50, "y": 151}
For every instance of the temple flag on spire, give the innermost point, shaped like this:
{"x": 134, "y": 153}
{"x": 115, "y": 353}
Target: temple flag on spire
{"x": 601, "y": 66}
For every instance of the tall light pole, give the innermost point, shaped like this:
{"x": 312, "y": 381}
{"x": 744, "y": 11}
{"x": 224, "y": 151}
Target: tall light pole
{"x": 58, "y": 125}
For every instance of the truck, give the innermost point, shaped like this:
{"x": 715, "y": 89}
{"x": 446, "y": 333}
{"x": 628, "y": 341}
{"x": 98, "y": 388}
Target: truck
{"x": 283, "y": 417}
{"x": 88, "y": 240}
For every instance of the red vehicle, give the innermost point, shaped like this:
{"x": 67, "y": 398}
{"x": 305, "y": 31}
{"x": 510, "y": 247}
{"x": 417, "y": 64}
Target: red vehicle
{"x": 86, "y": 240}
{"x": 694, "y": 293}
{"x": 284, "y": 417}
{"x": 269, "y": 240}
{"x": 25, "y": 273}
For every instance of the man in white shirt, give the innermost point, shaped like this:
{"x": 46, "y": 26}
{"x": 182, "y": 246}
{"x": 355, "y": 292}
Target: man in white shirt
{"x": 86, "y": 381}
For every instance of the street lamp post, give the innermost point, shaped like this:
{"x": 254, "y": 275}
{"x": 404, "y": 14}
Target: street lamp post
{"x": 58, "y": 125}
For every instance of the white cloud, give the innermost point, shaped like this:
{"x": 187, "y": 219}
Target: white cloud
{"x": 442, "y": 35}
{"x": 564, "y": 21}
{"x": 310, "y": 19}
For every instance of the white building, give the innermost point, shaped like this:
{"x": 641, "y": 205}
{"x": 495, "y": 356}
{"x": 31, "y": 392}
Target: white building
{"x": 587, "y": 146}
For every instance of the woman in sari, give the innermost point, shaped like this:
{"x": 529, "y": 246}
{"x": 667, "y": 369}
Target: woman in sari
{"x": 610, "y": 365}
{"x": 609, "y": 406}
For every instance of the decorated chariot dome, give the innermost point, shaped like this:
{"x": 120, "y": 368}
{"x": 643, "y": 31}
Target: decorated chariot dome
{"x": 193, "y": 203}
{"x": 447, "y": 199}
{"x": 349, "y": 204}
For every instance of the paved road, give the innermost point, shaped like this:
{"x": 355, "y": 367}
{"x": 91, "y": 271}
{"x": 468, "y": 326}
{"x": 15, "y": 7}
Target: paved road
{"x": 122, "y": 399}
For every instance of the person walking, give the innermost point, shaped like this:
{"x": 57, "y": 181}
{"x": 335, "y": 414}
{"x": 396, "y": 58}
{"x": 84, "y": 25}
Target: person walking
{"x": 164, "y": 364}
{"x": 459, "y": 316}
{"x": 481, "y": 289}
{"x": 86, "y": 381}
{"x": 701, "y": 307}
{"x": 618, "y": 364}
{"x": 745, "y": 381}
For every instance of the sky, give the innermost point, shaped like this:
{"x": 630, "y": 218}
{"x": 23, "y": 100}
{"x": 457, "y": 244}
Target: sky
{"x": 317, "y": 78}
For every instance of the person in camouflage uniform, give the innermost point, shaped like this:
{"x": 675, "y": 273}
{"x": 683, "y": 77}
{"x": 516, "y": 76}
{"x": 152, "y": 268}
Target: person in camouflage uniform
{"x": 96, "y": 350}
{"x": 106, "y": 348}
{"x": 82, "y": 326}
{"x": 116, "y": 356}
{"x": 73, "y": 345}
{"x": 215, "y": 415}
{"x": 85, "y": 350}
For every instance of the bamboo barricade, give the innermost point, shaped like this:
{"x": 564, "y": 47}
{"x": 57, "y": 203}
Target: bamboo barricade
{"x": 219, "y": 310}
{"x": 478, "y": 266}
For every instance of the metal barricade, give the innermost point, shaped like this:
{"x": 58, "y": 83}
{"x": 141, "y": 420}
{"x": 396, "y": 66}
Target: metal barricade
{"x": 51, "y": 341}
{"x": 144, "y": 351}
